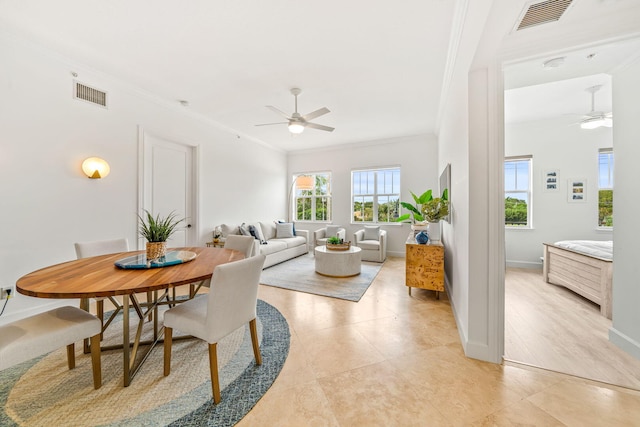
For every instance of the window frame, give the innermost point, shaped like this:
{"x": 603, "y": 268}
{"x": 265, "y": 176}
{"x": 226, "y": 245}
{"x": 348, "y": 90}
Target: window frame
{"x": 529, "y": 191}
{"x": 312, "y": 197}
{"x": 375, "y": 196}
{"x": 611, "y": 168}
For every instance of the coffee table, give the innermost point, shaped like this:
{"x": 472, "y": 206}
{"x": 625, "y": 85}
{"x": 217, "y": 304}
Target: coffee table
{"x": 338, "y": 263}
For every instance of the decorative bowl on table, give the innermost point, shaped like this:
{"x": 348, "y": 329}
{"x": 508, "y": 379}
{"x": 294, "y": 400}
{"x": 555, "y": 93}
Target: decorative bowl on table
{"x": 343, "y": 246}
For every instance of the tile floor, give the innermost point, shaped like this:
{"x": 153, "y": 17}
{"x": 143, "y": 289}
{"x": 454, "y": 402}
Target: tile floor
{"x": 396, "y": 360}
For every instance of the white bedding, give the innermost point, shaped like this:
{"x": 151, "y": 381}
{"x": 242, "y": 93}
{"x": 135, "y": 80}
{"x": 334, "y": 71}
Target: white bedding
{"x": 596, "y": 248}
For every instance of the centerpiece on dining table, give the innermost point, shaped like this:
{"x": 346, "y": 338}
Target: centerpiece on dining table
{"x": 157, "y": 230}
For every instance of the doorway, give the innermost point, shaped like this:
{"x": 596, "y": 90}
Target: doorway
{"x": 167, "y": 184}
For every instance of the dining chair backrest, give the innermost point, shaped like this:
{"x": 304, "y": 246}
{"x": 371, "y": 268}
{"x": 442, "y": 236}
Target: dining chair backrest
{"x": 101, "y": 247}
{"x": 233, "y": 296}
{"x": 243, "y": 244}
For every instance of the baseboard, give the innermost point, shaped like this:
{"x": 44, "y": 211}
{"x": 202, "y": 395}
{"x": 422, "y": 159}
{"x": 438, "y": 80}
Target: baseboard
{"x": 461, "y": 330}
{"x": 626, "y": 343}
{"x": 397, "y": 254}
{"x": 525, "y": 264}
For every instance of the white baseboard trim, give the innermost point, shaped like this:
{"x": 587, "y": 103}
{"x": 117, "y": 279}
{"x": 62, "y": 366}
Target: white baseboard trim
{"x": 397, "y": 254}
{"x": 625, "y": 342}
{"x": 524, "y": 264}
{"x": 471, "y": 349}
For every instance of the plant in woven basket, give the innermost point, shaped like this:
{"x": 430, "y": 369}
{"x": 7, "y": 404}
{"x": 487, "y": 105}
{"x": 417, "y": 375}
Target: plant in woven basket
{"x": 334, "y": 240}
{"x": 157, "y": 231}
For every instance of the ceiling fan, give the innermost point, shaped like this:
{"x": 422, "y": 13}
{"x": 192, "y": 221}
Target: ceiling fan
{"x": 297, "y": 122}
{"x": 595, "y": 119}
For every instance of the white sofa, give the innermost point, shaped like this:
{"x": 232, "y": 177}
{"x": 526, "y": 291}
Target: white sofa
{"x": 277, "y": 248}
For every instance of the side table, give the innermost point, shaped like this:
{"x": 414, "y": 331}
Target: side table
{"x": 424, "y": 266}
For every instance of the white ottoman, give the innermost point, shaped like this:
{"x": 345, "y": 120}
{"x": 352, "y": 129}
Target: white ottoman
{"x": 338, "y": 263}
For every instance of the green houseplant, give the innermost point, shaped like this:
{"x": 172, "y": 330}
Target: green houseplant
{"x": 426, "y": 208}
{"x": 157, "y": 230}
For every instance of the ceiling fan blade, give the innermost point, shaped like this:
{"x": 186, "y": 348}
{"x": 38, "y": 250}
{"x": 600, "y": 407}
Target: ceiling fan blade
{"x": 321, "y": 112}
{"x": 282, "y": 113}
{"x": 319, "y": 127}
{"x": 269, "y": 124}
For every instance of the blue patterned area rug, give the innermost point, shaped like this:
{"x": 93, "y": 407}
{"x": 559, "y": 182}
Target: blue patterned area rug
{"x": 43, "y": 392}
{"x": 299, "y": 274}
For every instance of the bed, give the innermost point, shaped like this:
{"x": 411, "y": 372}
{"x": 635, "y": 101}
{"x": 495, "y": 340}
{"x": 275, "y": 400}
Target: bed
{"x": 584, "y": 266}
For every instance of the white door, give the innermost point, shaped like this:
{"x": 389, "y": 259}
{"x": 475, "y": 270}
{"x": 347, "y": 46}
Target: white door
{"x": 167, "y": 184}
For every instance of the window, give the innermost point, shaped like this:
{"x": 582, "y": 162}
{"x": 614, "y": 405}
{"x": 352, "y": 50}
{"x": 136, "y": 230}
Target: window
{"x": 517, "y": 192}
{"x": 376, "y": 195}
{"x": 312, "y": 196}
{"x": 605, "y": 188}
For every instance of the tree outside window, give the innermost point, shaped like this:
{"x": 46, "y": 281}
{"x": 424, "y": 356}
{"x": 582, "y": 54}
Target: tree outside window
{"x": 376, "y": 195}
{"x": 313, "y": 204}
{"x": 605, "y": 188}
{"x": 517, "y": 192}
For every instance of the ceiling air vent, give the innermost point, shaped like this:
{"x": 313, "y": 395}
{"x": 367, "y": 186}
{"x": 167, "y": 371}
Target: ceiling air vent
{"x": 89, "y": 94}
{"x": 543, "y": 12}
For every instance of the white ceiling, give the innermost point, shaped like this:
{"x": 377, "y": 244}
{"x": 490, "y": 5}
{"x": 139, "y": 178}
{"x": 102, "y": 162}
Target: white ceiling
{"x": 377, "y": 65}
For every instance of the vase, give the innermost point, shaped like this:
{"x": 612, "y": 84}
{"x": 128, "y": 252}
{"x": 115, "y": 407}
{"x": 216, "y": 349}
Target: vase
{"x": 156, "y": 250}
{"x": 433, "y": 229}
{"x": 422, "y": 238}
{"x": 418, "y": 227}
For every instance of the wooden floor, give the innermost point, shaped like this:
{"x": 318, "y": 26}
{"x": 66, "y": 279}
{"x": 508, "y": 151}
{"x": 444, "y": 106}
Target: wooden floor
{"x": 550, "y": 327}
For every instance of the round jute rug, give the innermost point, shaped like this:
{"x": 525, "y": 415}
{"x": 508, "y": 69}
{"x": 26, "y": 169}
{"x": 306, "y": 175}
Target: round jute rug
{"x": 44, "y": 392}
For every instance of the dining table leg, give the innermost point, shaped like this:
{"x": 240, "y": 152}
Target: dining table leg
{"x": 125, "y": 340}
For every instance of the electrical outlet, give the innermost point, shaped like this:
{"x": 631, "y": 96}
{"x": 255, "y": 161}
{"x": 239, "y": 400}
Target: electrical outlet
{"x": 3, "y": 293}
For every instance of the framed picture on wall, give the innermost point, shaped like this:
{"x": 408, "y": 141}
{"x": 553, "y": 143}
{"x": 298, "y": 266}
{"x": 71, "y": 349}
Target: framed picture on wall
{"x": 445, "y": 182}
{"x": 551, "y": 180}
{"x": 577, "y": 190}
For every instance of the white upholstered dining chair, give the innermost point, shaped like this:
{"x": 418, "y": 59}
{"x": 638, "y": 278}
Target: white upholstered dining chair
{"x": 243, "y": 244}
{"x": 102, "y": 247}
{"x": 230, "y": 304}
{"x": 42, "y": 333}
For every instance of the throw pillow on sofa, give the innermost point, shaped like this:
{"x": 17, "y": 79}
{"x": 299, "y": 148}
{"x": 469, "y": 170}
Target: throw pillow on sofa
{"x": 228, "y": 230}
{"x": 284, "y": 230}
{"x": 284, "y": 222}
{"x": 244, "y": 229}
{"x": 255, "y": 232}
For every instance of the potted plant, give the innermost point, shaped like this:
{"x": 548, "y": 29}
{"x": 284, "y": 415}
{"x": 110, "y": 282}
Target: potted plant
{"x": 157, "y": 231}
{"x": 336, "y": 243}
{"x": 427, "y": 209}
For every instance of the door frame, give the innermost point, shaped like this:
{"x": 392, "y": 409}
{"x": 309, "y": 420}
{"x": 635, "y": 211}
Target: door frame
{"x": 193, "y": 232}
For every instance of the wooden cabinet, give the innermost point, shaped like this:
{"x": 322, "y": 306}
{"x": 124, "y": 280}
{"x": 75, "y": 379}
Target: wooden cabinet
{"x": 424, "y": 266}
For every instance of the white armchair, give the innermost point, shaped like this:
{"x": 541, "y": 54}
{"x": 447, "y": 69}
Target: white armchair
{"x": 321, "y": 235}
{"x": 373, "y": 243}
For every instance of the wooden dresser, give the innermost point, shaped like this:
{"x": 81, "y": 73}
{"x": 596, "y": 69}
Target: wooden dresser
{"x": 424, "y": 266}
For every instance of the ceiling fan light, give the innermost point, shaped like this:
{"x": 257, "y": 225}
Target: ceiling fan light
{"x": 296, "y": 127}
{"x": 594, "y": 123}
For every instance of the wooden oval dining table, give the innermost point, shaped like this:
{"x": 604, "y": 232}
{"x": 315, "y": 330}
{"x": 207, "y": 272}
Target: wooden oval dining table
{"x": 99, "y": 277}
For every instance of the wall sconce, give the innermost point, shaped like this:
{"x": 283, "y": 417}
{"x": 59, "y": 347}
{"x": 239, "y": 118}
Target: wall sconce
{"x": 95, "y": 168}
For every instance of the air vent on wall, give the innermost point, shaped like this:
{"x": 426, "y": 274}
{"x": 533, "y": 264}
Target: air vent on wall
{"x": 89, "y": 94}
{"x": 543, "y": 12}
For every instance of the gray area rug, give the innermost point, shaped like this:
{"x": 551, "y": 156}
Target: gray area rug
{"x": 299, "y": 274}
{"x": 43, "y": 392}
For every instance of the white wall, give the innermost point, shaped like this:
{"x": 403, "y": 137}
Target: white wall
{"x": 556, "y": 144}
{"x": 625, "y": 331}
{"x": 417, "y": 157}
{"x": 48, "y": 204}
